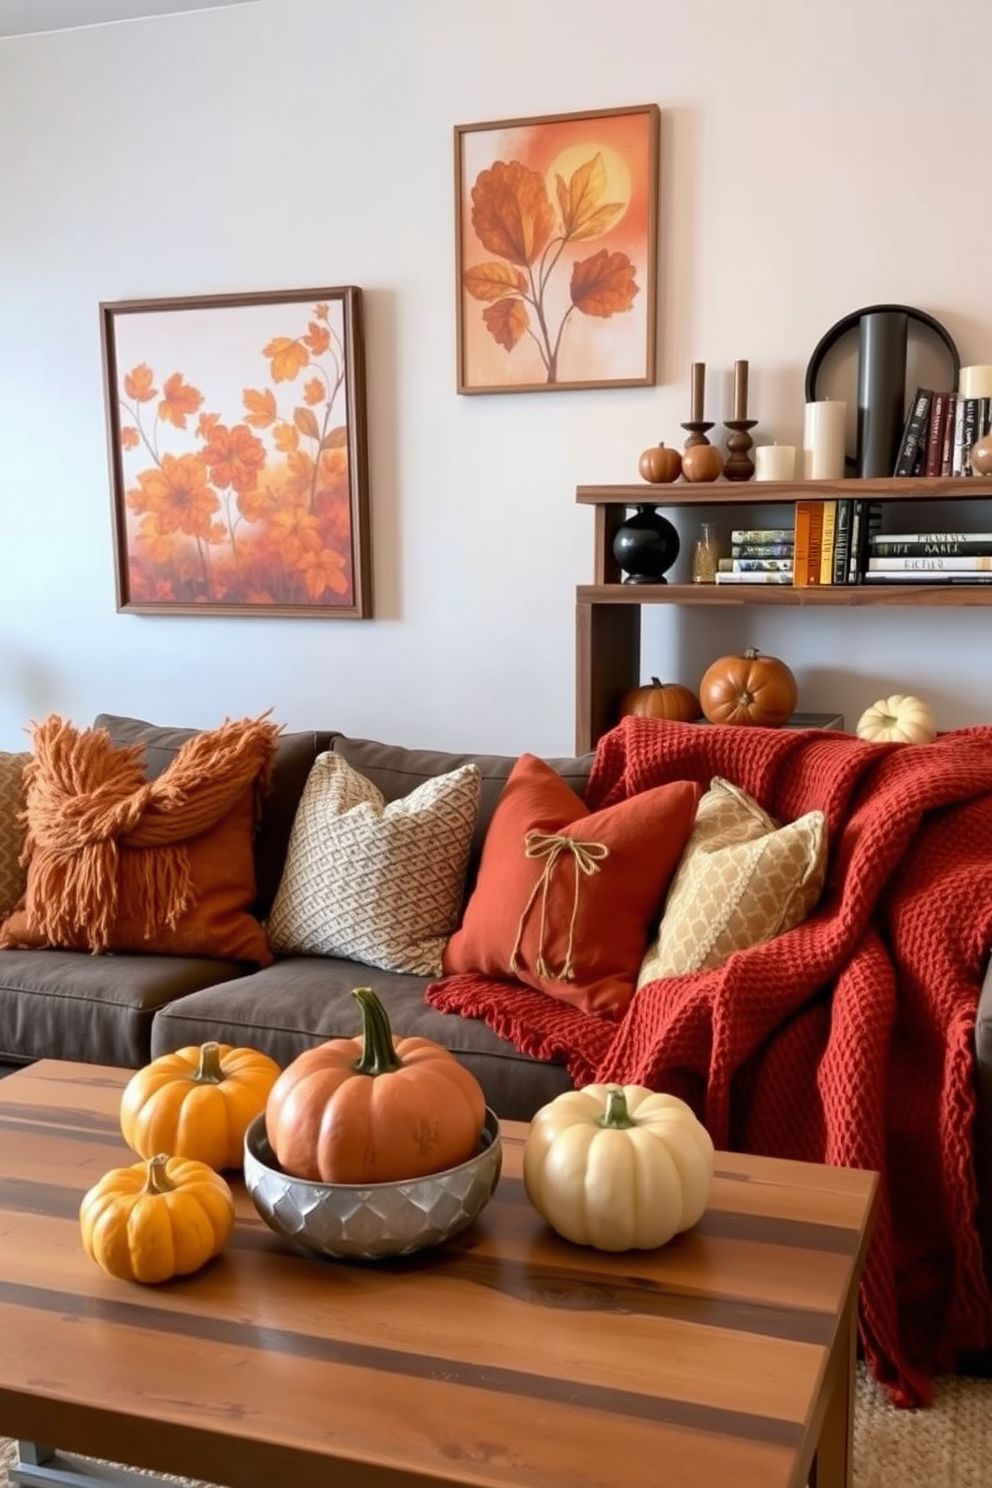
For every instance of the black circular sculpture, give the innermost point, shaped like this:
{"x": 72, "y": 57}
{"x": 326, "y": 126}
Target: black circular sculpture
{"x": 883, "y": 332}
{"x": 646, "y": 546}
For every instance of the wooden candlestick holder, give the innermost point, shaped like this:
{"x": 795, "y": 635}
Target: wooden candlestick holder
{"x": 739, "y": 466}
{"x": 698, "y": 429}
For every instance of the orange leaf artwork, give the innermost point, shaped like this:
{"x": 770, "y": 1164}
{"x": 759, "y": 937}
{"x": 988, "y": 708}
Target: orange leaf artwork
{"x": 239, "y": 454}
{"x": 556, "y": 251}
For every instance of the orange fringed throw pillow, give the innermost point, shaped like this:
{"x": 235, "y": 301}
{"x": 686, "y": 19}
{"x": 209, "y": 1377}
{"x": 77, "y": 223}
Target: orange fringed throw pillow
{"x": 117, "y": 862}
{"x": 565, "y": 897}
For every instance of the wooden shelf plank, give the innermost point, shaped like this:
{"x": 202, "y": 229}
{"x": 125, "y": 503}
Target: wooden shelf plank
{"x": 837, "y": 595}
{"x": 758, "y": 493}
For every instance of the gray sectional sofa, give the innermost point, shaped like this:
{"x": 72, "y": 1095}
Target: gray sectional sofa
{"x": 125, "y": 1009}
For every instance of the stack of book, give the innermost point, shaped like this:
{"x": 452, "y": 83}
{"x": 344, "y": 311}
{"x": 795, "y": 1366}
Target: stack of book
{"x": 758, "y": 555}
{"x": 940, "y": 429}
{"x": 930, "y": 558}
{"x": 832, "y": 540}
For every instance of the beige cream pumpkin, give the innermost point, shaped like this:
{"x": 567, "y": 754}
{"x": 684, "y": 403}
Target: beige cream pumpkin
{"x": 618, "y": 1167}
{"x": 899, "y": 719}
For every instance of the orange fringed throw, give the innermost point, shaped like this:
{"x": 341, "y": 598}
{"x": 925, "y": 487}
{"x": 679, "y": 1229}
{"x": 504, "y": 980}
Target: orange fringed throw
{"x": 89, "y": 806}
{"x": 848, "y": 1040}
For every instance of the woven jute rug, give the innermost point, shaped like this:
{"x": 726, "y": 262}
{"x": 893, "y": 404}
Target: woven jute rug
{"x": 948, "y": 1446}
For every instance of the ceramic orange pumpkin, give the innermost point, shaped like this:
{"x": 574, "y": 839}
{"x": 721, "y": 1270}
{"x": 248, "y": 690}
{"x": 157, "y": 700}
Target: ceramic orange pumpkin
{"x": 749, "y": 689}
{"x": 374, "y": 1109}
{"x": 669, "y": 700}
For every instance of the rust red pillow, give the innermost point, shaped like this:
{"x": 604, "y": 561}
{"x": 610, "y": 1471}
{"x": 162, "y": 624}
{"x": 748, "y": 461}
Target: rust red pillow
{"x": 566, "y": 898}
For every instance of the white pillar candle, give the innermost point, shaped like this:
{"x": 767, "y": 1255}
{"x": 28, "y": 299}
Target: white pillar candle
{"x": 823, "y": 440}
{"x": 975, "y": 382}
{"x": 775, "y": 462}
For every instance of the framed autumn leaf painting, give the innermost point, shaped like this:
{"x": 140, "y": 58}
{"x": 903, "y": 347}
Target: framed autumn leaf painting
{"x": 238, "y": 454}
{"x": 556, "y": 251}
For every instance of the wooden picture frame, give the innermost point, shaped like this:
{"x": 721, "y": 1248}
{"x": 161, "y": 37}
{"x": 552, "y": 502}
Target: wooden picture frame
{"x": 556, "y": 228}
{"x": 238, "y": 452}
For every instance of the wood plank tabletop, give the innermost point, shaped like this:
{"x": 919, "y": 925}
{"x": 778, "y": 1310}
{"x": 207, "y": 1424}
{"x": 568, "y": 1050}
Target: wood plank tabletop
{"x": 508, "y": 1356}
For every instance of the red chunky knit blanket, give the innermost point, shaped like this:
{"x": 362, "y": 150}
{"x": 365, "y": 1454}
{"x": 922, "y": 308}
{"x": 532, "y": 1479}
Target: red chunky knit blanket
{"x": 850, "y": 1039}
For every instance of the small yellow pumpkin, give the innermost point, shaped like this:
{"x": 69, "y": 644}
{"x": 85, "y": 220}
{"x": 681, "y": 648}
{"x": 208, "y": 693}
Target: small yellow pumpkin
{"x": 898, "y": 719}
{"x": 156, "y": 1219}
{"x": 618, "y": 1167}
{"x": 197, "y": 1102}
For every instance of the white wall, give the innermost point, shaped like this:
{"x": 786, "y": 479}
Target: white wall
{"x": 815, "y": 159}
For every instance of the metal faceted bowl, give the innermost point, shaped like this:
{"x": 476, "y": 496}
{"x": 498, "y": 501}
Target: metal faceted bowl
{"x": 368, "y": 1222}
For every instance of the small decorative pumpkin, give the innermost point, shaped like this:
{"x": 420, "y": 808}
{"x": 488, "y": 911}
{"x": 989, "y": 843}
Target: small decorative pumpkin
{"x": 197, "y": 1102}
{"x": 749, "y": 689}
{"x": 668, "y": 700}
{"x": 618, "y": 1167}
{"x": 374, "y": 1109}
{"x": 660, "y": 465}
{"x": 897, "y": 720}
{"x": 157, "y": 1219}
{"x": 702, "y": 462}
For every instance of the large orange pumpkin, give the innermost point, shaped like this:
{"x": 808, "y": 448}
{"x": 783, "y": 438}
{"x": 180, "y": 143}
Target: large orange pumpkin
{"x": 374, "y": 1109}
{"x": 749, "y": 689}
{"x": 669, "y": 700}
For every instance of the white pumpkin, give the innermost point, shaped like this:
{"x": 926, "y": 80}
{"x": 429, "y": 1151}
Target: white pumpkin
{"x": 618, "y": 1167}
{"x": 897, "y": 720}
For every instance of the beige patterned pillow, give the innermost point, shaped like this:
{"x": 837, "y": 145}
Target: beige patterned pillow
{"x": 742, "y": 879}
{"x": 370, "y": 882}
{"x": 13, "y": 878}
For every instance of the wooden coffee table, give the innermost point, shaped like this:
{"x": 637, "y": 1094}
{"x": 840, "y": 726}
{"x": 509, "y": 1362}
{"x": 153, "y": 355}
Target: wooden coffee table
{"x": 507, "y": 1357}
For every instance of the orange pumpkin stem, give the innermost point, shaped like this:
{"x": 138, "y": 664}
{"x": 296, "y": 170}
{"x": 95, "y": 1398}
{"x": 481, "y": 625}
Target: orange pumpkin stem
{"x": 209, "y": 1071}
{"x": 379, "y": 1056}
{"x": 157, "y": 1180}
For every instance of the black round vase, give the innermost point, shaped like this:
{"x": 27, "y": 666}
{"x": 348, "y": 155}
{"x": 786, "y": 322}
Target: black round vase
{"x": 646, "y": 546}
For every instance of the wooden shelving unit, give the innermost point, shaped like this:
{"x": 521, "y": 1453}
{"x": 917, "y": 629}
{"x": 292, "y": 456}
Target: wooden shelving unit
{"x": 608, "y": 612}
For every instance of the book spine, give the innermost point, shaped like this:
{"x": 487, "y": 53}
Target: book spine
{"x": 762, "y": 534}
{"x": 984, "y": 417}
{"x": 842, "y": 540}
{"x": 827, "y": 540}
{"x": 762, "y": 550}
{"x": 868, "y": 519}
{"x": 815, "y": 542}
{"x": 958, "y": 436}
{"x": 913, "y": 431}
{"x": 931, "y": 537}
{"x": 970, "y": 432}
{"x": 761, "y": 565}
{"x": 754, "y": 578}
{"x": 973, "y": 576}
{"x": 947, "y": 454}
{"x": 931, "y": 548}
{"x": 935, "y": 434}
{"x": 974, "y": 562}
{"x": 800, "y": 556}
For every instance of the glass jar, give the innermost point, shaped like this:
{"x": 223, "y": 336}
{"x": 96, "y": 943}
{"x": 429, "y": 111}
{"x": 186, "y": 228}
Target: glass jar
{"x": 705, "y": 556}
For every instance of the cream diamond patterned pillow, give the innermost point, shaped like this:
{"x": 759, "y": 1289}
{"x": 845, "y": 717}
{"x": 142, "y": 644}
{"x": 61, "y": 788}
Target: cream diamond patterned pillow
{"x": 742, "y": 879}
{"x": 375, "y": 883}
{"x": 13, "y": 878}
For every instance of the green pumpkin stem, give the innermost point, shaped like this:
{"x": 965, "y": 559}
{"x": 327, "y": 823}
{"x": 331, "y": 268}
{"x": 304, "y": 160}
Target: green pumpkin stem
{"x": 209, "y": 1072}
{"x": 379, "y": 1057}
{"x": 157, "y": 1180}
{"x": 616, "y": 1114}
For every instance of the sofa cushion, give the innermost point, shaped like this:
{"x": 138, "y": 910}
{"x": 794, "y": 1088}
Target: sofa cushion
{"x": 119, "y": 864}
{"x": 295, "y": 754}
{"x": 98, "y": 1009}
{"x": 13, "y": 875}
{"x": 303, "y": 1001}
{"x": 378, "y": 883}
{"x": 565, "y": 898}
{"x": 397, "y": 771}
{"x": 742, "y": 880}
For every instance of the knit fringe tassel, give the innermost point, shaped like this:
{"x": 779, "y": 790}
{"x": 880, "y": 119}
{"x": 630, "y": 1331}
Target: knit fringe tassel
{"x": 88, "y": 799}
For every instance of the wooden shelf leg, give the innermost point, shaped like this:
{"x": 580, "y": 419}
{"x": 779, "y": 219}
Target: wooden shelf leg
{"x": 607, "y": 664}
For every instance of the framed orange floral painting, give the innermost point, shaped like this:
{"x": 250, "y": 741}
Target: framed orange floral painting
{"x": 238, "y": 454}
{"x": 556, "y": 248}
